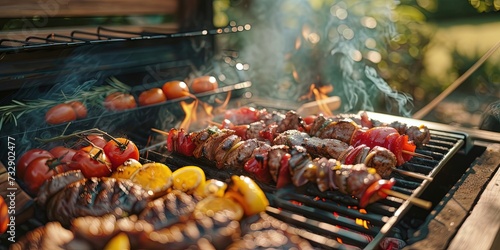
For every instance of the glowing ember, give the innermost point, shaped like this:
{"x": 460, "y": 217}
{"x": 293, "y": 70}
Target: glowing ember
{"x": 361, "y": 222}
{"x": 296, "y": 203}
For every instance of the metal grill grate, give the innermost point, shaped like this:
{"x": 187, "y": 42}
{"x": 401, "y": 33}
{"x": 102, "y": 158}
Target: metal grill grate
{"x": 331, "y": 220}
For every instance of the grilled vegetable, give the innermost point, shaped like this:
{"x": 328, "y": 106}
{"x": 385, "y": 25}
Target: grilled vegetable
{"x": 247, "y": 193}
{"x": 154, "y": 176}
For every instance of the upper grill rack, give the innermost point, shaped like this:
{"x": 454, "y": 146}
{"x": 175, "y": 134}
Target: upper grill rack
{"x": 331, "y": 220}
{"x": 106, "y": 35}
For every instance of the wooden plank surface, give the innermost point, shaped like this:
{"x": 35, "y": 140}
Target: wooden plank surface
{"x": 65, "y": 8}
{"x": 482, "y": 228}
{"x": 20, "y": 201}
{"x": 449, "y": 216}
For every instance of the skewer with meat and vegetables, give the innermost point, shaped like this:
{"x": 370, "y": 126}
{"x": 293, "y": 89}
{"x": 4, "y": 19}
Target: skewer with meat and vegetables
{"x": 227, "y": 149}
{"x": 282, "y": 164}
{"x": 420, "y": 135}
{"x": 266, "y": 126}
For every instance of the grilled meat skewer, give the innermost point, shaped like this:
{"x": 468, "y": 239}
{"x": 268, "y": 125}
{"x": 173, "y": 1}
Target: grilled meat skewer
{"x": 230, "y": 151}
{"x": 343, "y": 129}
{"x": 281, "y": 163}
{"x": 245, "y": 115}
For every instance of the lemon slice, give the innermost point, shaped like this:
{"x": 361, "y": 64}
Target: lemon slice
{"x": 119, "y": 242}
{"x": 127, "y": 169}
{"x": 154, "y": 176}
{"x": 248, "y": 194}
{"x": 212, "y": 187}
{"x": 188, "y": 179}
{"x": 212, "y": 205}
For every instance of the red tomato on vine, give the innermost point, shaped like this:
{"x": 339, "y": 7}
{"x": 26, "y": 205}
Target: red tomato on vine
{"x": 94, "y": 163}
{"x": 28, "y": 157}
{"x": 120, "y": 150}
{"x": 39, "y": 170}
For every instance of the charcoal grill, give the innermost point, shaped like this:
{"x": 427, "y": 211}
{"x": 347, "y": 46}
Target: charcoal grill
{"x": 329, "y": 220}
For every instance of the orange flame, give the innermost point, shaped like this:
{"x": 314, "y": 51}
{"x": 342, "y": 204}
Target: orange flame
{"x": 319, "y": 93}
{"x": 201, "y": 112}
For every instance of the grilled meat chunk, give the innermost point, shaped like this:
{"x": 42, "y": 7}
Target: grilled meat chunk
{"x": 419, "y": 135}
{"x": 291, "y": 137}
{"x": 274, "y": 163}
{"x": 211, "y": 144}
{"x": 172, "y": 208}
{"x": 51, "y": 236}
{"x": 56, "y": 183}
{"x": 200, "y": 232}
{"x": 341, "y": 130}
{"x": 331, "y": 148}
{"x": 223, "y": 148}
{"x": 96, "y": 196}
{"x": 265, "y": 232}
{"x": 381, "y": 159}
{"x": 292, "y": 120}
{"x": 254, "y": 128}
{"x": 238, "y": 156}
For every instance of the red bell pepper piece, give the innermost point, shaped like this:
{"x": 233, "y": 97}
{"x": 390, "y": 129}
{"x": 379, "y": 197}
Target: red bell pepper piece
{"x": 258, "y": 168}
{"x": 243, "y": 115}
{"x": 284, "y": 176}
{"x": 185, "y": 145}
{"x": 172, "y": 140}
{"x": 386, "y": 137}
{"x": 268, "y": 132}
{"x": 375, "y": 191}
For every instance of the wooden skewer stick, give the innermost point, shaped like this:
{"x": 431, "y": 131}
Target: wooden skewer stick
{"x": 160, "y": 131}
{"x": 415, "y": 201}
{"x": 215, "y": 123}
{"x": 412, "y": 174}
{"x": 417, "y": 154}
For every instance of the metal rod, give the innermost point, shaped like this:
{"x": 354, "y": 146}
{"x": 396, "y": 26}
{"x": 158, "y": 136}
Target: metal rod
{"x": 425, "y": 110}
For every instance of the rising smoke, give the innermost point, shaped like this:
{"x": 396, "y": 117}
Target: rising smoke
{"x": 296, "y": 43}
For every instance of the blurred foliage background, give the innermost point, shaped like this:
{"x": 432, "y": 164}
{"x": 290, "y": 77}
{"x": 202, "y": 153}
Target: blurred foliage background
{"x": 387, "y": 56}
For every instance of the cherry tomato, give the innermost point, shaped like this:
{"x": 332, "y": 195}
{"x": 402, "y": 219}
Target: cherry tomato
{"x": 92, "y": 164}
{"x": 119, "y": 101}
{"x": 97, "y": 140}
{"x": 28, "y": 157}
{"x": 120, "y": 152}
{"x": 203, "y": 84}
{"x": 80, "y": 109}
{"x": 151, "y": 96}
{"x": 175, "y": 89}
{"x": 40, "y": 170}
{"x": 60, "y": 113}
{"x": 62, "y": 153}
{"x": 4, "y": 216}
